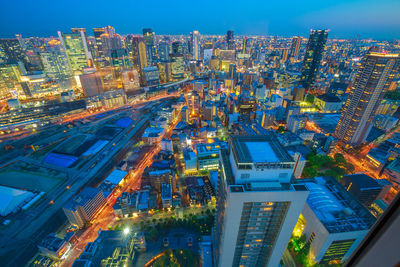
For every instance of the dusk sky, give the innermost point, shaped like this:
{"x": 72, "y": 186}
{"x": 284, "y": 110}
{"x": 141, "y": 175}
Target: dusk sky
{"x": 345, "y": 18}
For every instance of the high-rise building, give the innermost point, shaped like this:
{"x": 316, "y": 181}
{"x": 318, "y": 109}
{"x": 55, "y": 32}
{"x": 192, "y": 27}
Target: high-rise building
{"x": 82, "y": 31}
{"x": 313, "y": 56}
{"x": 177, "y": 66}
{"x": 177, "y": 47}
{"x": 139, "y": 51}
{"x": 230, "y": 41}
{"x": 193, "y": 100}
{"x": 298, "y": 93}
{"x": 148, "y": 35}
{"x": 257, "y": 206}
{"x": 10, "y": 75}
{"x": 285, "y": 53}
{"x": 372, "y": 79}
{"x": 74, "y": 46}
{"x": 11, "y": 52}
{"x": 55, "y": 62}
{"x": 82, "y": 208}
{"x": 295, "y": 47}
{"x": 151, "y": 75}
{"x": 99, "y": 45}
{"x": 245, "y": 45}
{"x": 92, "y": 83}
{"x": 195, "y": 42}
{"x": 163, "y": 51}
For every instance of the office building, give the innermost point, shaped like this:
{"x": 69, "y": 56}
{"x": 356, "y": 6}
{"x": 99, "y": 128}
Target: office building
{"x": 82, "y": 208}
{"x": 92, "y": 83}
{"x": 148, "y": 35}
{"x": 296, "y": 122}
{"x": 177, "y": 66}
{"x": 195, "y": 43}
{"x": 130, "y": 79}
{"x": 10, "y": 76}
{"x": 163, "y": 51}
{"x": 166, "y": 145}
{"x": 328, "y": 103}
{"x": 99, "y": 44}
{"x": 151, "y": 75}
{"x": 207, "y": 157}
{"x": 193, "y": 100}
{"x": 363, "y": 187}
{"x": 230, "y": 41}
{"x": 334, "y": 222}
{"x": 82, "y": 32}
{"x": 177, "y": 47}
{"x": 257, "y": 206}
{"x": 166, "y": 195}
{"x": 164, "y": 69}
{"x": 313, "y": 56}
{"x": 285, "y": 55}
{"x": 139, "y": 46}
{"x": 245, "y": 45}
{"x": 209, "y": 111}
{"x": 373, "y": 78}
{"x": 295, "y": 47}
{"x": 11, "y": 52}
{"x": 55, "y": 62}
{"x": 74, "y": 45}
{"x": 298, "y": 93}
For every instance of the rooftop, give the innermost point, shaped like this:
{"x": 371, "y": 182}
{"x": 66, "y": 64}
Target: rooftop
{"x": 337, "y": 210}
{"x": 329, "y": 98}
{"x": 250, "y": 149}
{"x": 87, "y": 194}
{"x": 363, "y": 181}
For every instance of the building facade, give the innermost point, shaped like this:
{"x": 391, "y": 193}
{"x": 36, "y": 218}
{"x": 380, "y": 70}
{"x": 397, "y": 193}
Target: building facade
{"x": 372, "y": 79}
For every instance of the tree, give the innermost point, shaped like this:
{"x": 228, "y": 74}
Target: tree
{"x": 310, "y": 172}
{"x": 153, "y": 234}
{"x": 310, "y": 99}
{"x": 349, "y": 167}
{"x": 339, "y": 158}
{"x": 281, "y": 129}
{"x": 336, "y": 172}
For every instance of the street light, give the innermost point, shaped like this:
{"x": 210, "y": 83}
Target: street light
{"x": 126, "y": 231}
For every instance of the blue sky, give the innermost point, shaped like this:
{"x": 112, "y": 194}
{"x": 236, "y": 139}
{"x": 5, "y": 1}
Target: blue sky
{"x": 378, "y": 19}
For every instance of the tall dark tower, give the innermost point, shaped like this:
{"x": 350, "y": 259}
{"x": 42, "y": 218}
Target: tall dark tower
{"x": 313, "y": 56}
{"x": 148, "y": 35}
{"x": 372, "y": 80}
{"x": 230, "y": 41}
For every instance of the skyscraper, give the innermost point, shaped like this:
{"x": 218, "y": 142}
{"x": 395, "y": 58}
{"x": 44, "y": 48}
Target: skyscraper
{"x": 11, "y": 52}
{"x": 74, "y": 46}
{"x": 148, "y": 35}
{"x": 99, "y": 45}
{"x": 371, "y": 81}
{"x": 245, "y": 45}
{"x": 257, "y": 206}
{"x": 163, "y": 51}
{"x": 195, "y": 42}
{"x": 313, "y": 56}
{"x": 177, "y": 47}
{"x": 295, "y": 47}
{"x": 177, "y": 66}
{"x": 230, "y": 40}
{"x": 141, "y": 52}
{"x": 55, "y": 62}
{"x": 82, "y": 31}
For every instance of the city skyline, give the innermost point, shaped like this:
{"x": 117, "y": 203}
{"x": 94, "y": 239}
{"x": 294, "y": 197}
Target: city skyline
{"x": 217, "y": 134}
{"x": 374, "y": 19}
